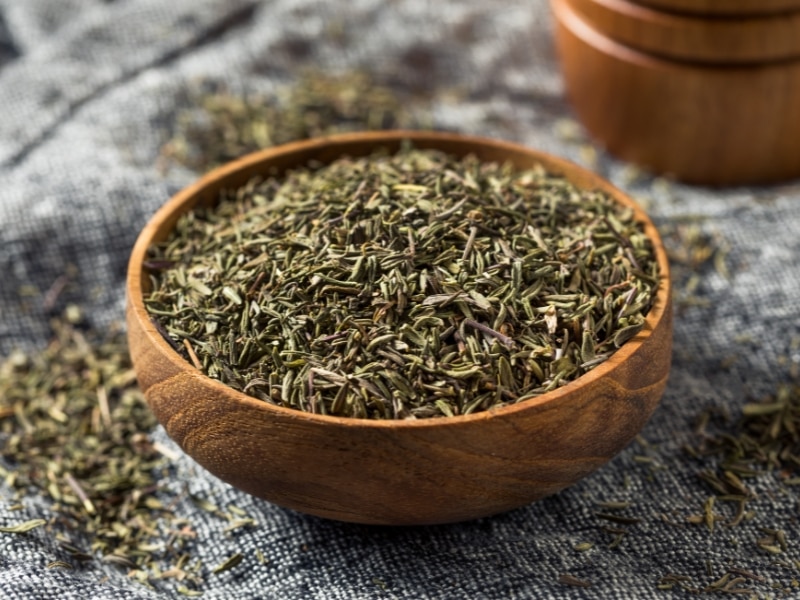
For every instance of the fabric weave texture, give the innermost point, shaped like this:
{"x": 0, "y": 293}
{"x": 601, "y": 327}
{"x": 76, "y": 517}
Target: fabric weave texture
{"x": 89, "y": 90}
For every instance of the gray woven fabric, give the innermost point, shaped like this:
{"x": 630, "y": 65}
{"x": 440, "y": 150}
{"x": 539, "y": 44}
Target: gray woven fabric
{"x": 87, "y": 88}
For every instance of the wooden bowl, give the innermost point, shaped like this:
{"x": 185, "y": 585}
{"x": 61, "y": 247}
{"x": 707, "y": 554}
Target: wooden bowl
{"x": 723, "y": 8}
{"x": 747, "y": 39}
{"x": 721, "y": 125}
{"x": 398, "y": 472}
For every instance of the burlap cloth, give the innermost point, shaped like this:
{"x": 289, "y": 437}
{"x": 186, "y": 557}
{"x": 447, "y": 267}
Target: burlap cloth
{"x": 88, "y": 91}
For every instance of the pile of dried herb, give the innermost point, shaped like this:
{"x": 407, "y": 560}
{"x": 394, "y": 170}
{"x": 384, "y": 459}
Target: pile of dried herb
{"x": 403, "y": 286}
{"x": 765, "y": 439}
{"x": 221, "y": 127}
{"x": 693, "y": 254}
{"x": 763, "y": 442}
{"x": 75, "y": 431}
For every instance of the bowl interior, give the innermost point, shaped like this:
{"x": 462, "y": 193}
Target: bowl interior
{"x": 205, "y": 192}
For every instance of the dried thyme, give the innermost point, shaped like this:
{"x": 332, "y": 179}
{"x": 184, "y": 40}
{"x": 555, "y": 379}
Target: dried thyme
{"x": 403, "y": 286}
{"x": 221, "y": 126}
{"x": 572, "y": 581}
{"x": 23, "y": 527}
{"x": 693, "y": 254}
{"x": 765, "y": 439}
{"x": 74, "y": 430}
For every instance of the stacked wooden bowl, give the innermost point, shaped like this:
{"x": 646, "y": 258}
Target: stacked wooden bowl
{"x": 705, "y": 90}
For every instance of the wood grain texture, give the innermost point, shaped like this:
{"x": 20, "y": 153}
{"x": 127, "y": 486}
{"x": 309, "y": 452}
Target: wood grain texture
{"x": 724, "y": 7}
{"x": 694, "y": 38}
{"x": 722, "y": 125}
{"x": 398, "y": 472}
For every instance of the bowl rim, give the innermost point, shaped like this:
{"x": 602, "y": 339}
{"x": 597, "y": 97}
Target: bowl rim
{"x": 186, "y": 198}
{"x": 735, "y": 40}
{"x": 568, "y": 16}
{"x": 723, "y": 9}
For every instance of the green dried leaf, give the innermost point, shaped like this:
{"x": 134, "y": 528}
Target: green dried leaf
{"x": 228, "y": 563}
{"x": 23, "y": 527}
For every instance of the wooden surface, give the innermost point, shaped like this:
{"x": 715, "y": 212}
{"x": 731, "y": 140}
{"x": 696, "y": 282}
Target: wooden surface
{"x": 724, "y": 7}
{"x": 702, "y": 124}
{"x": 691, "y": 37}
{"x": 398, "y": 472}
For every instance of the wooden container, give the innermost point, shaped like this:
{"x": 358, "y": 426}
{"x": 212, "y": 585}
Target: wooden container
{"x": 736, "y": 8}
{"x": 708, "y": 100}
{"x": 739, "y": 40}
{"x": 398, "y": 472}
